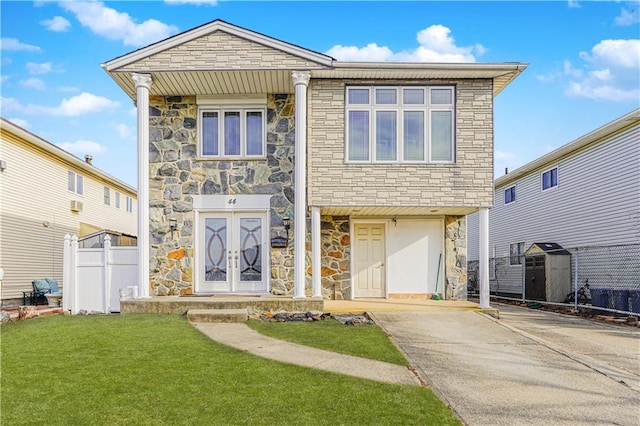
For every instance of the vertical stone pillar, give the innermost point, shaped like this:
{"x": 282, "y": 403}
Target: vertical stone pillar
{"x": 315, "y": 252}
{"x": 143, "y": 84}
{"x": 483, "y": 251}
{"x": 300, "y": 82}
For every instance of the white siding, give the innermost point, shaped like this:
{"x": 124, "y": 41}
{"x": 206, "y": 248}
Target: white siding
{"x": 596, "y": 202}
{"x": 35, "y": 213}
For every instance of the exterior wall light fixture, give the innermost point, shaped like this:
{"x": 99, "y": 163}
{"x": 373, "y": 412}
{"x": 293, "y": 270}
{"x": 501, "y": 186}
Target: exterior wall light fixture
{"x": 287, "y": 225}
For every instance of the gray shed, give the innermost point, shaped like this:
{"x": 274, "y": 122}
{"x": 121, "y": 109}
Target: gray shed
{"x": 547, "y": 272}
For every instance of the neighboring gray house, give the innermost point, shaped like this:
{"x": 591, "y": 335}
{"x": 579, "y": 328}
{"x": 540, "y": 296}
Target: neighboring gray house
{"x": 584, "y": 194}
{"x": 268, "y": 168}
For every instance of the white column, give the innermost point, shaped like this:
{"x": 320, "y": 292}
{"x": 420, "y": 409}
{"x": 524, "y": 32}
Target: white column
{"x": 300, "y": 81}
{"x": 483, "y": 251}
{"x": 67, "y": 288}
{"x": 143, "y": 84}
{"x": 315, "y": 252}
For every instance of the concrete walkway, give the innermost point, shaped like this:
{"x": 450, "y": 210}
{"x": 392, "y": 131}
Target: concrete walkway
{"x": 240, "y": 336}
{"x": 492, "y": 372}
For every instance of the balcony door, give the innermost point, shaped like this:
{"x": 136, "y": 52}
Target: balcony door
{"x": 233, "y": 253}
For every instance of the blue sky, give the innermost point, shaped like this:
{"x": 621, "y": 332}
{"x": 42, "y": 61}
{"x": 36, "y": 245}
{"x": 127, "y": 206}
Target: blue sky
{"x": 584, "y": 61}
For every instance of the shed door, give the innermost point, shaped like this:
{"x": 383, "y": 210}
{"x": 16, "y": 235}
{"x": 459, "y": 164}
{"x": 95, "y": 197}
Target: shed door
{"x": 369, "y": 278}
{"x": 535, "y": 278}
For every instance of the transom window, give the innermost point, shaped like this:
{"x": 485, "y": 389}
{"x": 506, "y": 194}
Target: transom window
{"x": 400, "y": 124}
{"x": 232, "y": 132}
{"x": 75, "y": 183}
{"x": 550, "y": 178}
{"x": 510, "y": 195}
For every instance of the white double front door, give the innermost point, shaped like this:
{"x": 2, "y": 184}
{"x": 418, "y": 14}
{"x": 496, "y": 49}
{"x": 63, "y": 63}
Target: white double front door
{"x": 233, "y": 253}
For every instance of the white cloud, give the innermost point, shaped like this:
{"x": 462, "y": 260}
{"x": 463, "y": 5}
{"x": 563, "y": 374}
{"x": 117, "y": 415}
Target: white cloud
{"x": 192, "y": 2}
{"x": 82, "y": 147}
{"x": 57, "y": 24}
{"x": 610, "y": 72}
{"x": 84, "y": 103}
{"x": 35, "y": 68}
{"x": 4, "y": 78}
{"x": 20, "y": 122}
{"x": 7, "y": 43}
{"x": 435, "y": 44}
{"x": 33, "y": 83}
{"x": 628, "y": 17}
{"x": 573, "y": 4}
{"x": 70, "y": 89}
{"x": 124, "y": 131}
{"x": 114, "y": 25}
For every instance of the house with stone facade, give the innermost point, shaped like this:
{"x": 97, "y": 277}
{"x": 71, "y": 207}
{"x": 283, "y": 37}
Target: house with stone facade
{"x": 268, "y": 168}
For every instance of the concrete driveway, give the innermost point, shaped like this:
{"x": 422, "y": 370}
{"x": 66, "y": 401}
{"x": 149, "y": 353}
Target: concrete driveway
{"x": 527, "y": 368}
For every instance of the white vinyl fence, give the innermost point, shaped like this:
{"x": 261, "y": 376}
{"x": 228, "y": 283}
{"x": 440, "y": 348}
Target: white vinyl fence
{"x": 95, "y": 277}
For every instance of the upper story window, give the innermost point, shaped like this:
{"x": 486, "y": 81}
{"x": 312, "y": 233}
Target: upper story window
{"x": 232, "y": 128}
{"x": 550, "y": 178}
{"x": 516, "y": 254}
{"x": 117, "y": 199}
{"x": 107, "y": 196}
{"x": 129, "y": 204}
{"x": 510, "y": 195}
{"x": 75, "y": 183}
{"x": 400, "y": 124}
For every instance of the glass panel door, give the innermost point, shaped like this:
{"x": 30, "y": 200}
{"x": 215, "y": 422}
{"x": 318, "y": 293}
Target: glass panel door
{"x": 233, "y": 253}
{"x": 215, "y": 253}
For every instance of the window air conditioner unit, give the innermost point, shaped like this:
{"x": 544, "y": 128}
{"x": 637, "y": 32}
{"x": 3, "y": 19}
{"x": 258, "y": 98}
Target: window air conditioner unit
{"x": 76, "y": 206}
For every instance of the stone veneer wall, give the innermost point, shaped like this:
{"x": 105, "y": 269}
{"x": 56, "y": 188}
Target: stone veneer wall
{"x": 176, "y": 173}
{"x": 335, "y": 257}
{"x": 455, "y": 247}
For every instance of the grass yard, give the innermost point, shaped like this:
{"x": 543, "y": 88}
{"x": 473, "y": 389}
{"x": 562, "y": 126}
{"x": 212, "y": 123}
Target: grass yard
{"x": 365, "y": 341}
{"x": 154, "y": 370}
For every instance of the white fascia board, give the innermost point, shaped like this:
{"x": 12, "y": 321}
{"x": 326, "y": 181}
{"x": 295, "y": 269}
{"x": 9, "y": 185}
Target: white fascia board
{"x": 56, "y": 151}
{"x": 203, "y": 30}
{"x": 598, "y": 134}
{"x": 499, "y": 68}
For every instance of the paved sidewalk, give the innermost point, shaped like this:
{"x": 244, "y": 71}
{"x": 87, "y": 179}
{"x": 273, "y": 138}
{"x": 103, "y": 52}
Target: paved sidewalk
{"x": 240, "y": 336}
{"x": 492, "y": 373}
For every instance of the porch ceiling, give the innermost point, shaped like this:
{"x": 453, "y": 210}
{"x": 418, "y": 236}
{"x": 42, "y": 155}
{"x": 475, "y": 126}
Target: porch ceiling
{"x": 195, "y": 82}
{"x": 258, "y": 81}
{"x": 396, "y": 211}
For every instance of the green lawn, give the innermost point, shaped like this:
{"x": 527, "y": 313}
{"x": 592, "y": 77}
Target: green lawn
{"x": 155, "y": 370}
{"x": 365, "y": 341}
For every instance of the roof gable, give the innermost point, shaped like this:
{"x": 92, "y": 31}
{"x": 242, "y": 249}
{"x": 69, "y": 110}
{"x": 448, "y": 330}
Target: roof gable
{"x": 215, "y": 46}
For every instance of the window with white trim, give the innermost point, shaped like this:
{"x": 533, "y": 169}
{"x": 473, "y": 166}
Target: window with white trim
{"x": 510, "y": 195}
{"x": 129, "y": 204}
{"x": 516, "y": 253}
{"x": 413, "y": 124}
{"x": 107, "y": 196}
{"x": 232, "y": 127}
{"x": 117, "y": 199}
{"x": 75, "y": 183}
{"x": 550, "y": 179}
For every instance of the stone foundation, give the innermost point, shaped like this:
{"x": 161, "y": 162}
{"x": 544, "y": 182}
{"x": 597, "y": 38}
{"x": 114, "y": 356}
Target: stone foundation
{"x": 335, "y": 257}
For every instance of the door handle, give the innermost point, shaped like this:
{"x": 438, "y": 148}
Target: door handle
{"x": 236, "y": 256}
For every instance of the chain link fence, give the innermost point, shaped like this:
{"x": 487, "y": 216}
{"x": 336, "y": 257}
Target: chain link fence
{"x": 605, "y": 279}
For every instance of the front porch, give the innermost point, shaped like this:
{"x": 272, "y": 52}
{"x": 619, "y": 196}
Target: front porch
{"x": 254, "y": 304}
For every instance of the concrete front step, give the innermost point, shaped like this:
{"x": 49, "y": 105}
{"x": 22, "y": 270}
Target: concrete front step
{"x": 217, "y": 315}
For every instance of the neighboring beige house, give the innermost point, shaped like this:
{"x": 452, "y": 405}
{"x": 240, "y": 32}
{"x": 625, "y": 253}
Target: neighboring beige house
{"x": 372, "y": 166}
{"x": 45, "y": 193}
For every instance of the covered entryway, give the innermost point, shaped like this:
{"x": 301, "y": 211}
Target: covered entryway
{"x": 369, "y": 260}
{"x": 233, "y": 254}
